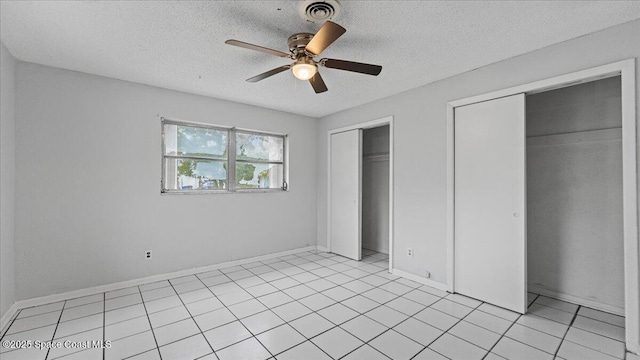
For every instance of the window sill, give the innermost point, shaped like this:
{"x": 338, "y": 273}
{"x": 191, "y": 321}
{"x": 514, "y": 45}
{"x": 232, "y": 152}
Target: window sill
{"x": 211, "y": 192}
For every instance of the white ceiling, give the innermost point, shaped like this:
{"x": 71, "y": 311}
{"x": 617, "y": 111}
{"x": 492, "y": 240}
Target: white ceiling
{"x": 180, "y": 45}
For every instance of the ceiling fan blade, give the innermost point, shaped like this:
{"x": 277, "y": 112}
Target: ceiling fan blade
{"x": 328, "y": 33}
{"x": 263, "y": 49}
{"x": 318, "y": 84}
{"x": 362, "y": 68}
{"x": 269, "y": 73}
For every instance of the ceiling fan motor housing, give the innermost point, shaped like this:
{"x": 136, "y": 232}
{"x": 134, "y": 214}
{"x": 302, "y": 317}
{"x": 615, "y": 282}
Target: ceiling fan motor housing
{"x": 319, "y": 11}
{"x": 298, "y": 42}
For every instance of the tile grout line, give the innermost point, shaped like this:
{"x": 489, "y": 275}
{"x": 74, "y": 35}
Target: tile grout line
{"x": 562, "y": 340}
{"x": 316, "y": 312}
{"x": 510, "y": 326}
{"x": 573, "y": 319}
{"x": 225, "y": 307}
{"x": 67, "y": 307}
{"x": 184, "y": 304}
{"x": 10, "y": 324}
{"x": 150, "y": 326}
{"x": 291, "y": 276}
{"x": 304, "y": 270}
{"x": 530, "y": 345}
{"x": 389, "y": 328}
{"x": 231, "y": 312}
{"x": 450, "y": 327}
{"x": 336, "y": 302}
{"x": 367, "y": 344}
{"x": 554, "y": 321}
{"x": 293, "y": 299}
{"x": 593, "y": 349}
{"x": 319, "y": 266}
{"x": 62, "y": 322}
{"x": 53, "y": 336}
{"x": 360, "y": 314}
{"x": 270, "y": 309}
{"x": 502, "y": 336}
{"x": 119, "y": 296}
{"x": 192, "y": 318}
{"x": 44, "y": 313}
{"x": 104, "y": 324}
{"x": 597, "y": 334}
{"x": 230, "y": 280}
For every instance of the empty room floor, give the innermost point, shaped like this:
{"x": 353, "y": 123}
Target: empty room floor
{"x": 310, "y": 305}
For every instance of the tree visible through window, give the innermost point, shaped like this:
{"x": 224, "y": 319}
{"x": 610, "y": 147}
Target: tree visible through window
{"x": 200, "y": 157}
{"x": 259, "y": 160}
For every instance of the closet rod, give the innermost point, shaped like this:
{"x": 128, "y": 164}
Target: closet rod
{"x": 575, "y": 132}
{"x": 375, "y": 155}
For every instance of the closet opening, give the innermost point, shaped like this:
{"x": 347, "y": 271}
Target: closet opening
{"x": 575, "y": 239}
{"x": 375, "y": 193}
{"x": 360, "y": 192}
{"x": 552, "y": 165}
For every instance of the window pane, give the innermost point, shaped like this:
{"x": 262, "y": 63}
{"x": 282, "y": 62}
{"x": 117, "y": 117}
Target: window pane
{"x": 259, "y": 147}
{"x": 184, "y": 174}
{"x": 194, "y": 141}
{"x": 259, "y": 176}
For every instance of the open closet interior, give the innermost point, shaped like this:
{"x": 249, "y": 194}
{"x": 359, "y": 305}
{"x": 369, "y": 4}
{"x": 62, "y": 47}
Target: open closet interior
{"x": 574, "y": 194}
{"x": 375, "y": 189}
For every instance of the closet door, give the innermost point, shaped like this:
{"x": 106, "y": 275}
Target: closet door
{"x": 490, "y": 202}
{"x": 346, "y": 194}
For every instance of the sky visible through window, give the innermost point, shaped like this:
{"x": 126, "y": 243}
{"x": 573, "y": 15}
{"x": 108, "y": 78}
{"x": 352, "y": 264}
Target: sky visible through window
{"x": 199, "y": 159}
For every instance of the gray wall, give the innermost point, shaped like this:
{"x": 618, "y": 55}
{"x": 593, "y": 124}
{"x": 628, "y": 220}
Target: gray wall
{"x": 375, "y": 189}
{"x": 574, "y": 192}
{"x": 7, "y": 179}
{"x": 420, "y": 156}
{"x": 88, "y": 185}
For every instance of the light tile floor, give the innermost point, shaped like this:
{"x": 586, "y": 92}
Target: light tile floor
{"x": 309, "y": 306}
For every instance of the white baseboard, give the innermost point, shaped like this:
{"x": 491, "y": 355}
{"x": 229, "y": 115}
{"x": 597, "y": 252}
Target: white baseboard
{"x": 322, "y": 248}
{"x": 421, "y": 280}
{"x": 8, "y": 316}
{"x": 377, "y": 249}
{"x": 576, "y": 300}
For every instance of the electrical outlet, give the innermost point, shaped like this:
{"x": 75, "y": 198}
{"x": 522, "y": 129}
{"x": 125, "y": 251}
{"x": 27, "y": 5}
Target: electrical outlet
{"x": 147, "y": 254}
{"x": 410, "y": 252}
{"x": 427, "y": 274}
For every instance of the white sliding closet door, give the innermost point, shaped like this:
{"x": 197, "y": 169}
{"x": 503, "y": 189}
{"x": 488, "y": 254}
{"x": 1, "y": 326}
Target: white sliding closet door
{"x": 490, "y": 202}
{"x": 346, "y": 194}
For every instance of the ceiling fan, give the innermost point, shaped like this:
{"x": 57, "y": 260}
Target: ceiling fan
{"x": 303, "y": 48}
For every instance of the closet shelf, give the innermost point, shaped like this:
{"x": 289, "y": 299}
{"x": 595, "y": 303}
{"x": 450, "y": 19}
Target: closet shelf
{"x": 611, "y": 134}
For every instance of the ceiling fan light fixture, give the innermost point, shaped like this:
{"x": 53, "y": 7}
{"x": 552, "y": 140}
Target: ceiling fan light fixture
{"x": 304, "y": 70}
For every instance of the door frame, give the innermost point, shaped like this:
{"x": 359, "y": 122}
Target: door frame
{"x": 388, "y": 120}
{"x": 627, "y": 71}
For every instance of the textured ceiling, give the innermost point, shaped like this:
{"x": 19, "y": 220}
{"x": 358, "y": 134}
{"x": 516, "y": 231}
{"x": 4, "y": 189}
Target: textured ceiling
{"x": 180, "y": 45}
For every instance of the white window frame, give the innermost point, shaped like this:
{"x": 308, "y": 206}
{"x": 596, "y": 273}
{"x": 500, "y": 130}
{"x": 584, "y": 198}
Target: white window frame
{"x": 230, "y": 160}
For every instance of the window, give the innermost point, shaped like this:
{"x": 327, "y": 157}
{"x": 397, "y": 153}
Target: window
{"x": 199, "y": 158}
